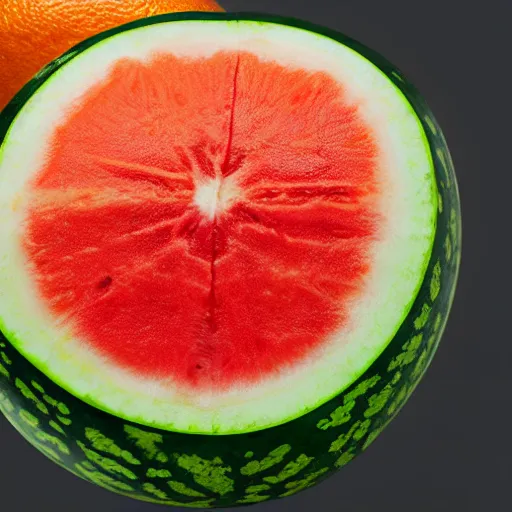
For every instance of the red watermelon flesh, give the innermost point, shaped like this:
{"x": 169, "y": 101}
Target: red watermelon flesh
{"x": 206, "y": 221}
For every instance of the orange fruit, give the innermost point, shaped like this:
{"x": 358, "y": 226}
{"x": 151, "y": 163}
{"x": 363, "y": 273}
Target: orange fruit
{"x": 34, "y": 32}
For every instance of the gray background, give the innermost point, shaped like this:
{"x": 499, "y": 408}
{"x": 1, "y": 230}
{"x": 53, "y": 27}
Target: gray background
{"x": 449, "y": 449}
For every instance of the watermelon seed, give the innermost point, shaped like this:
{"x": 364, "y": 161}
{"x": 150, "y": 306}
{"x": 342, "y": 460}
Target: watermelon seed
{"x": 105, "y": 283}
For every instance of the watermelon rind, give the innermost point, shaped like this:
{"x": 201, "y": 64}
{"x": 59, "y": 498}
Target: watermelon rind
{"x": 129, "y": 456}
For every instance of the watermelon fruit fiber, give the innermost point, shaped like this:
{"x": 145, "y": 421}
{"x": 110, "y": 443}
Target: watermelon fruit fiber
{"x": 229, "y": 244}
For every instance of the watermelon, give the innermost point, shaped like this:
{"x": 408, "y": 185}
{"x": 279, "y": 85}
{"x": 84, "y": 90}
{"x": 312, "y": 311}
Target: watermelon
{"x": 228, "y": 248}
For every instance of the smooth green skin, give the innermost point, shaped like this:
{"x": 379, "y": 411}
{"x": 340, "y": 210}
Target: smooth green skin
{"x": 223, "y": 471}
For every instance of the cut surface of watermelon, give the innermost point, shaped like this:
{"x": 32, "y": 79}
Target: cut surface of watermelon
{"x": 212, "y": 226}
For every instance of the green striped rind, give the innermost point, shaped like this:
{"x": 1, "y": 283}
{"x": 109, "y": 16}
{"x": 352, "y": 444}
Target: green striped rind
{"x": 222, "y": 471}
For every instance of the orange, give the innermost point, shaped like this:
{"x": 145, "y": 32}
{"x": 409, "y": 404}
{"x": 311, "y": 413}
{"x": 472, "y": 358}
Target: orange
{"x": 34, "y": 32}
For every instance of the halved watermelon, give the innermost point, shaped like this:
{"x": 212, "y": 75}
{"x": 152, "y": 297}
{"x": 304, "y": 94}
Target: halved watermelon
{"x": 219, "y": 224}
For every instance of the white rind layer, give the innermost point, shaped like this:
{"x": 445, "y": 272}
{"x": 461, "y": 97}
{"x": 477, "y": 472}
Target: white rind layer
{"x": 399, "y": 260}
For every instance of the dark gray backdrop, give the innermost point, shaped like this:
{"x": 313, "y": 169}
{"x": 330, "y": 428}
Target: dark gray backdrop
{"x": 449, "y": 449}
